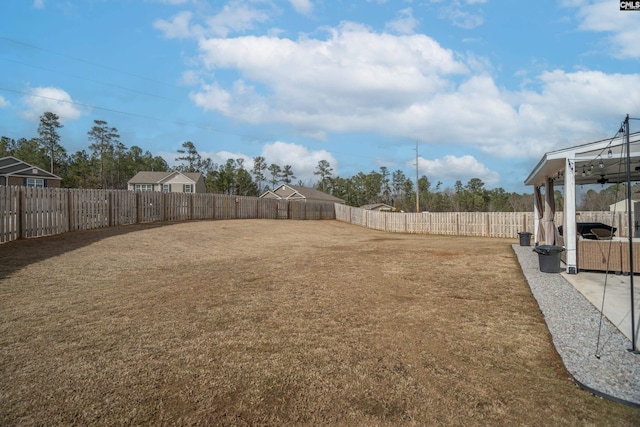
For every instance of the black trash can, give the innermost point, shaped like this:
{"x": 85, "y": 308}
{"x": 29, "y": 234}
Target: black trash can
{"x": 549, "y": 258}
{"x": 525, "y": 238}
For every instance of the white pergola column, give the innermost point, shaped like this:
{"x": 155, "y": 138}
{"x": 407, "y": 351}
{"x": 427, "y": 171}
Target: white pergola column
{"x": 569, "y": 220}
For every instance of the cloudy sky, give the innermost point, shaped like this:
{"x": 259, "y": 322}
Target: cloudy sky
{"x": 483, "y": 87}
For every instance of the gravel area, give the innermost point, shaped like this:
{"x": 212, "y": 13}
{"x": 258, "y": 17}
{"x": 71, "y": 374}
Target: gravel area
{"x": 573, "y": 322}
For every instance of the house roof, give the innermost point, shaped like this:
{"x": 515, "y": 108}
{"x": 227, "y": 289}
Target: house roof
{"x": 594, "y": 154}
{"x": 304, "y": 192}
{"x": 11, "y": 166}
{"x": 149, "y": 177}
{"x": 375, "y": 206}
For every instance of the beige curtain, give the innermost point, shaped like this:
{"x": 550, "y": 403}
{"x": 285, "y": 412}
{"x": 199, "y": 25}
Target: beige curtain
{"x": 549, "y": 213}
{"x": 537, "y": 194}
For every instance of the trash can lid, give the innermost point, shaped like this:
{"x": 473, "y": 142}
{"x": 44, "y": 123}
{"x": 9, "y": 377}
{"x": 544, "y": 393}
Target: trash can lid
{"x": 524, "y": 232}
{"x": 548, "y": 249}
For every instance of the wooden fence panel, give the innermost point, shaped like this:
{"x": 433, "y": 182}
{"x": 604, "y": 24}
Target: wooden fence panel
{"x": 313, "y": 210}
{"x": 123, "y": 207}
{"x": 150, "y": 206}
{"x": 177, "y": 206}
{"x": 377, "y": 220}
{"x": 419, "y": 223}
{"x": 9, "y": 215}
{"x": 343, "y": 213}
{"x": 90, "y": 209}
{"x": 444, "y": 223}
{"x": 296, "y": 209}
{"x": 328, "y": 211}
{"x": 358, "y": 216}
{"x": 203, "y": 206}
{"x": 283, "y": 209}
{"x": 246, "y": 207}
{"x": 471, "y": 224}
{"x": 267, "y": 208}
{"x": 44, "y": 212}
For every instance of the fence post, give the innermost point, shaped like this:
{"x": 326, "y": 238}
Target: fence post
{"x": 70, "y": 208}
{"x": 110, "y": 207}
{"x": 138, "y": 207}
{"x": 163, "y": 207}
{"x": 488, "y": 225}
{"x": 20, "y": 213}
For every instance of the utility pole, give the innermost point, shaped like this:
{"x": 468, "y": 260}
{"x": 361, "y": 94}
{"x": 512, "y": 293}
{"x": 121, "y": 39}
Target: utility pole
{"x": 417, "y": 186}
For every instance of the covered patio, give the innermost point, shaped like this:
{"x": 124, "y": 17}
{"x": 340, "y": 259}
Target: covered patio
{"x": 600, "y": 162}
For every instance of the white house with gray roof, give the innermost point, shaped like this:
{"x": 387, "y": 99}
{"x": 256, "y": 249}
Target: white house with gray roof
{"x": 168, "y": 182}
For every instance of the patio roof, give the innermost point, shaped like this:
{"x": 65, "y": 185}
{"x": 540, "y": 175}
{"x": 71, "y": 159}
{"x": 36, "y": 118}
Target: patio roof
{"x": 594, "y": 159}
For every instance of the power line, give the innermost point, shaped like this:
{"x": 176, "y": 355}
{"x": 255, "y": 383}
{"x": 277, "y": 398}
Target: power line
{"x": 111, "y": 110}
{"x": 90, "y": 80}
{"x": 94, "y": 64}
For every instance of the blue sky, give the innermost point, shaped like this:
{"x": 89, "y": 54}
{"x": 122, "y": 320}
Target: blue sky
{"x": 485, "y": 87}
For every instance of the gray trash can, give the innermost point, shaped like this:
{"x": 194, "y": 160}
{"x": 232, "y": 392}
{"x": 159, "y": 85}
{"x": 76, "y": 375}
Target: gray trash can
{"x": 549, "y": 258}
{"x": 525, "y": 238}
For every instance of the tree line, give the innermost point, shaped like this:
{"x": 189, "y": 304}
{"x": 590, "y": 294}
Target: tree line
{"x": 109, "y": 164}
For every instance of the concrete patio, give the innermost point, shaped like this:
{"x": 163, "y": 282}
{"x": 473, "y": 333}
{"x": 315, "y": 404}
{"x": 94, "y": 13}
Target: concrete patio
{"x": 615, "y": 290}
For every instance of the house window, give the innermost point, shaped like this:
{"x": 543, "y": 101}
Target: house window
{"x": 166, "y": 188}
{"x": 143, "y": 187}
{"x": 187, "y": 188}
{"x": 34, "y": 182}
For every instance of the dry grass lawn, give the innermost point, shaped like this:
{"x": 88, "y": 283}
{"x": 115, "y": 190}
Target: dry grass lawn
{"x": 259, "y": 322}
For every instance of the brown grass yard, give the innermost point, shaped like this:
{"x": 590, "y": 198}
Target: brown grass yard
{"x": 264, "y": 322}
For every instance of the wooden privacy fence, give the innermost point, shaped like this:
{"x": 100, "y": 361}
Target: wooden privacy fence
{"x": 35, "y": 212}
{"x": 484, "y": 224}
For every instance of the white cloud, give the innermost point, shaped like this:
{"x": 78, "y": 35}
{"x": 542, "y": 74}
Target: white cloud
{"x": 461, "y": 15}
{"x": 351, "y": 77}
{"x": 3, "y": 102}
{"x": 454, "y": 168}
{"x": 405, "y": 23}
{"x": 235, "y": 16}
{"x": 179, "y": 26}
{"x": 38, "y": 4}
{"x": 304, "y": 7}
{"x": 410, "y": 87}
{"x": 55, "y": 100}
{"x": 623, "y": 27}
{"x": 302, "y": 160}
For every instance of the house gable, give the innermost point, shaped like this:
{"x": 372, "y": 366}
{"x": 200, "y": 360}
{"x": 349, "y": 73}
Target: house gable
{"x": 294, "y": 192}
{"x": 14, "y": 171}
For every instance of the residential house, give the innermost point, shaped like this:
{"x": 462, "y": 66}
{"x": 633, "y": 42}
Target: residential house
{"x": 16, "y": 172}
{"x": 295, "y": 192}
{"x": 168, "y": 182}
{"x": 381, "y": 207}
{"x": 622, "y": 205}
